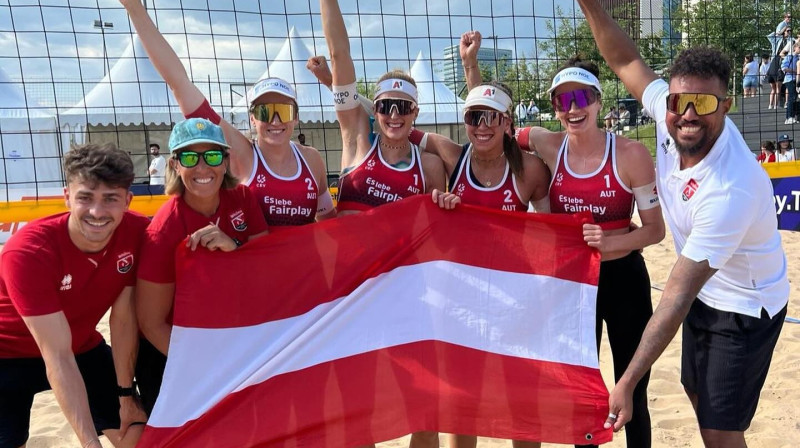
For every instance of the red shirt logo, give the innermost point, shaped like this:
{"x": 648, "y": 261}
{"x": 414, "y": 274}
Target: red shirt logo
{"x": 125, "y": 262}
{"x": 689, "y": 189}
{"x": 238, "y": 222}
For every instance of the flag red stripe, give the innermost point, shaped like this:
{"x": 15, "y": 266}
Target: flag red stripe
{"x": 388, "y": 393}
{"x": 336, "y": 256}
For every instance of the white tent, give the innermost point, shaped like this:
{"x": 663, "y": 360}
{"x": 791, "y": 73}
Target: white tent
{"x": 28, "y": 142}
{"x": 314, "y": 99}
{"x": 437, "y": 103}
{"x": 131, "y": 93}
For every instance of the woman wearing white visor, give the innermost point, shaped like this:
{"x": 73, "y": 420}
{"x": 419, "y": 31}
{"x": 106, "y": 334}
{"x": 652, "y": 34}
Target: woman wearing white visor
{"x": 599, "y": 172}
{"x": 391, "y": 167}
{"x": 289, "y": 180}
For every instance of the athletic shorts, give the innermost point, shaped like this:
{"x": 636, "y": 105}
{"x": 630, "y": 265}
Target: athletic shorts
{"x": 725, "y": 361}
{"x": 22, "y": 378}
{"x": 750, "y": 81}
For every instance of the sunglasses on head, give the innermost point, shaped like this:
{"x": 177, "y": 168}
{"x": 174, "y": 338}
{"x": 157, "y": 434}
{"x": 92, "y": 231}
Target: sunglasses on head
{"x": 401, "y": 107}
{"x": 581, "y": 97}
{"x": 212, "y": 157}
{"x": 489, "y": 117}
{"x": 704, "y": 103}
{"x": 266, "y": 112}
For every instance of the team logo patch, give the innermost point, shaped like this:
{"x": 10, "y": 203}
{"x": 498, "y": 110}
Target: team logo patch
{"x": 370, "y": 165}
{"x": 460, "y": 190}
{"x": 261, "y": 180}
{"x": 124, "y": 262}
{"x": 200, "y": 126}
{"x": 689, "y": 190}
{"x": 66, "y": 283}
{"x": 238, "y": 222}
{"x": 559, "y": 178}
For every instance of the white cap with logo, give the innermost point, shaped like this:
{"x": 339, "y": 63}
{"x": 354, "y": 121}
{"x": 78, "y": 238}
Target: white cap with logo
{"x": 575, "y": 74}
{"x": 272, "y": 85}
{"x": 490, "y": 96}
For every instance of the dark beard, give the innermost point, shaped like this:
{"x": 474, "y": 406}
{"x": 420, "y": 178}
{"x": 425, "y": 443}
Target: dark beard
{"x": 692, "y": 150}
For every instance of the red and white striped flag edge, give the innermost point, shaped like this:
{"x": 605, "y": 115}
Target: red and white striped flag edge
{"x": 369, "y": 327}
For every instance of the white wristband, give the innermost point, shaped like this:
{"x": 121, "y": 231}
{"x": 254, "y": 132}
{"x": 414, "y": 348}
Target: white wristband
{"x": 345, "y": 97}
{"x": 646, "y": 196}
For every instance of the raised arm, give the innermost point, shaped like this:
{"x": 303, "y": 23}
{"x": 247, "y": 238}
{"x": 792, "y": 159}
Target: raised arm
{"x": 617, "y": 49}
{"x": 468, "y": 49}
{"x": 188, "y": 96}
{"x": 353, "y": 120}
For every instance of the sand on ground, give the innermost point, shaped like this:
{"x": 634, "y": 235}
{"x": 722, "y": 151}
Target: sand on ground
{"x": 776, "y": 423}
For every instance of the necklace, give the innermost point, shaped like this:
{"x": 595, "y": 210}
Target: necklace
{"x": 487, "y": 182}
{"x": 492, "y": 159}
{"x": 385, "y": 145}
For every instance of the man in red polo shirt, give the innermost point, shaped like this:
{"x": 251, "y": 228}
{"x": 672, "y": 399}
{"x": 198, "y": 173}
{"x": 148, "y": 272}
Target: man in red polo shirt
{"x": 58, "y": 276}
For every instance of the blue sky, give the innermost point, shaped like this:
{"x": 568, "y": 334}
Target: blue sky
{"x": 58, "y": 41}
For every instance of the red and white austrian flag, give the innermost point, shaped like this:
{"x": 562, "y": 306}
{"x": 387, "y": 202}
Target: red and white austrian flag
{"x": 360, "y": 330}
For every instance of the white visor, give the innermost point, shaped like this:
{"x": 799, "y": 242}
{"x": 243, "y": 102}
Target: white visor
{"x": 396, "y": 85}
{"x": 575, "y": 74}
{"x": 489, "y": 96}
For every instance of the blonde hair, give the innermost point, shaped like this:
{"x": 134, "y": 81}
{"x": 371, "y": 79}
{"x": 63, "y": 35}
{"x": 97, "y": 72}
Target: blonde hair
{"x": 397, "y": 74}
{"x": 173, "y": 185}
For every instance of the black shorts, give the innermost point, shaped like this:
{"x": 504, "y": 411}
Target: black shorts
{"x": 22, "y": 378}
{"x": 725, "y": 361}
{"x": 150, "y": 365}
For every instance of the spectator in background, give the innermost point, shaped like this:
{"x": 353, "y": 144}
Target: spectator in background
{"x": 762, "y": 71}
{"x": 789, "y": 67}
{"x": 521, "y": 111}
{"x": 611, "y": 119}
{"x": 750, "y": 76}
{"x": 779, "y": 43}
{"x": 158, "y": 166}
{"x": 767, "y": 152}
{"x": 624, "y": 117}
{"x": 533, "y": 110}
{"x": 785, "y": 151}
{"x": 301, "y": 138}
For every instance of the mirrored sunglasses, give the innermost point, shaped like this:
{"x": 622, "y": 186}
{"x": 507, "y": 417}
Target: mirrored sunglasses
{"x": 489, "y": 117}
{"x": 401, "y": 107}
{"x": 266, "y": 112}
{"x": 704, "y": 103}
{"x": 190, "y": 159}
{"x": 581, "y": 97}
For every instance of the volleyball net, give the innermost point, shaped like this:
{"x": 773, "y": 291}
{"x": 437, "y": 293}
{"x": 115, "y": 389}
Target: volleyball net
{"x": 73, "y": 72}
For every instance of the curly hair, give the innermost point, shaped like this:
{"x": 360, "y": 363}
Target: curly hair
{"x": 703, "y": 62}
{"x": 93, "y": 163}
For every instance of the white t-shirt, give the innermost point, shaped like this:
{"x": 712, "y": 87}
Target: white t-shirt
{"x": 788, "y": 156}
{"x": 521, "y": 111}
{"x": 752, "y": 68}
{"x": 159, "y": 163}
{"x": 722, "y": 210}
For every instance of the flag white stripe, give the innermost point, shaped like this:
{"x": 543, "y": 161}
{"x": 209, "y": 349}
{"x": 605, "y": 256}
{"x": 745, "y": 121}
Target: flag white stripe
{"x": 523, "y": 315}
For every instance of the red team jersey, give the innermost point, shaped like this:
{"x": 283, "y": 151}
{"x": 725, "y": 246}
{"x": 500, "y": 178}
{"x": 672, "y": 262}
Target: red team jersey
{"x": 374, "y": 182}
{"x": 238, "y": 216}
{"x": 284, "y": 201}
{"x": 43, "y": 272}
{"x": 503, "y": 196}
{"x": 602, "y": 192}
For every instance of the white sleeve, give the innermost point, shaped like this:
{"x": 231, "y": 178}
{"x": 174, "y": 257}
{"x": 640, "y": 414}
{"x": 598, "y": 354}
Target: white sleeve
{"x": 654, "y": 99}
{"x": 718, "y": 228}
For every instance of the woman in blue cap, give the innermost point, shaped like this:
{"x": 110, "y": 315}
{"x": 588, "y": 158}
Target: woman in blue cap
{"x": 289, "y": 180}
{"x": 210, "y": 206}
{"x": 785, "y": 152}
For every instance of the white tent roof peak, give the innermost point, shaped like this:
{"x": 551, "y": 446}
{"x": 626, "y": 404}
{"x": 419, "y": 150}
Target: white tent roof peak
{"x": 314, "y": 100}
{"x": 132, "y": 92}
{"x": 437, "y": 103}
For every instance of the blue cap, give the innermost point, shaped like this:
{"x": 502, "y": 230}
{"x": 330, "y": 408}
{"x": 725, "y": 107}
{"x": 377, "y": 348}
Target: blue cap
{"x": 195, "y": 130}
{"x": 784, "y": 138}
